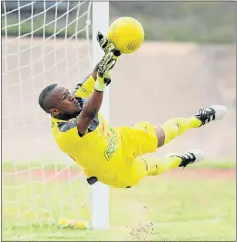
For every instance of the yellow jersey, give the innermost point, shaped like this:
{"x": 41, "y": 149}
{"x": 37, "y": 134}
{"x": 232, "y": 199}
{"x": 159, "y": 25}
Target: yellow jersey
{"x": 104, "y": 152}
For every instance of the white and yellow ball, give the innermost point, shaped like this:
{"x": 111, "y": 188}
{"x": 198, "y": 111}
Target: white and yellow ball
{"x": 126, "y": 34}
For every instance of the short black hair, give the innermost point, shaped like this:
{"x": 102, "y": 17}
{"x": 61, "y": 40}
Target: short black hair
{"x": 45, "y": 92}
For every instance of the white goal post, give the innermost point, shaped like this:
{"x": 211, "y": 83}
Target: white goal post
{"x": 46, "y": 42}
{"x": 100, "y": 207}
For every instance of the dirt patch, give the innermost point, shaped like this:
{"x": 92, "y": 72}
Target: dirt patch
{"x": 174, "y": 174}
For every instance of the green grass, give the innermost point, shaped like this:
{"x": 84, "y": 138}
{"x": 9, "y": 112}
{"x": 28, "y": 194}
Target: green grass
{"x": 159, "y": 209}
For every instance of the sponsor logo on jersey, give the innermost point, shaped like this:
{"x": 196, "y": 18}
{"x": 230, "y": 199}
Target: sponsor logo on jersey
{"x": 112, "y": 147}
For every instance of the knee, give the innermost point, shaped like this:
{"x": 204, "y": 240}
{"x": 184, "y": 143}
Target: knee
{"x": 171, "y": 130}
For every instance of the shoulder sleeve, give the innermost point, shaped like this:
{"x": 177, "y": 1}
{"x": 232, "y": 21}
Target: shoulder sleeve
{"x": 85, "y": 89}
{"x": 67, "y": 126}
{"x": 69, "y": 129}
{"x": 66, "y": 135}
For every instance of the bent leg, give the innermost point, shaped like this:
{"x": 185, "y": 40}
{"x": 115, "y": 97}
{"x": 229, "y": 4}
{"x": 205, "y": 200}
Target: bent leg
{"x": 154, "y": 166}
{"x": 175, "y": 127}
{"x": 144, "y": 138}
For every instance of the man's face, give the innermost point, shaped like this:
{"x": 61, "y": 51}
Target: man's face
{"x": 64, "y": 103}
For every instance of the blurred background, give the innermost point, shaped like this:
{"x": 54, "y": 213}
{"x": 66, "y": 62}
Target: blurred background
{"x": 188, "y": 61}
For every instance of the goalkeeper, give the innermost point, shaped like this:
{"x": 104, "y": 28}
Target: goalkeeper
{"x": 113, "y": 155}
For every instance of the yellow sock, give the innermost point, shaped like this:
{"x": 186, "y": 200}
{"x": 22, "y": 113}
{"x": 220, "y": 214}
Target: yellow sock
{"x": 176, "y": 126}
{"x": 156, "y": 166}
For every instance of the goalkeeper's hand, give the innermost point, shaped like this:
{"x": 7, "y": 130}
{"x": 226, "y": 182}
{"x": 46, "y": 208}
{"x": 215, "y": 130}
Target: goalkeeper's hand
{"x": 105, "y": 44}
{"x": 106, "y": 65}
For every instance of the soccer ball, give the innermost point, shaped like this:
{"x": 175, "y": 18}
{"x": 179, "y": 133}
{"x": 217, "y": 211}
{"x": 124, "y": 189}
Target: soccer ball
{"x": 126, "y": 34}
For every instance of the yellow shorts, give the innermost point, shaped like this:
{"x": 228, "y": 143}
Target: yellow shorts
{"x": 132, "y": 175}
{"x": 127, "y": 168}
{"x": 139, "y": 139}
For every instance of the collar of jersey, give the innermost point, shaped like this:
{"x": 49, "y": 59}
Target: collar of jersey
{"x": 58, "y": 120}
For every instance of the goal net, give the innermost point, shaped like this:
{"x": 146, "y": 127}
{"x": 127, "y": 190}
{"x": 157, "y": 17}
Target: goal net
{"x": 43, "y": 42}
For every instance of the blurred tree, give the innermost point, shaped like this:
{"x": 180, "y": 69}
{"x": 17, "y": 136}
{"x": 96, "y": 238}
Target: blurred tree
{"x": 181, "y": 21}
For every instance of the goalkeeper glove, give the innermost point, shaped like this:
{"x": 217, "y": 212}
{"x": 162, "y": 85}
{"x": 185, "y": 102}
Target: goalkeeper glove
{"x": 106, "y": 47}
{"x": 105, "y": 44}
{"x": 106, "y": 65}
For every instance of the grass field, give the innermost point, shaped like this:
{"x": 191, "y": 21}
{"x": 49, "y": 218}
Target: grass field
{"x": 181, "y": 205}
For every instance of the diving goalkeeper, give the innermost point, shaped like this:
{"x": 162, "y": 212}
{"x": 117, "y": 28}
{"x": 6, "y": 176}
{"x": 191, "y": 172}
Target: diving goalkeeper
{"x": 113, "y": 155}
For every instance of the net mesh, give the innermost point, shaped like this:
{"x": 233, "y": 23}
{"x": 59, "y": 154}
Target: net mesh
{"x": 43, "y": 42}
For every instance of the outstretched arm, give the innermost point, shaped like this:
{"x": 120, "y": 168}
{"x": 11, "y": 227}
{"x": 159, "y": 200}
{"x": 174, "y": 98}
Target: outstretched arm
{"x": 94, "y": 102}
{"x": 90, "y": 110}
{"x": 85, "y": 88}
